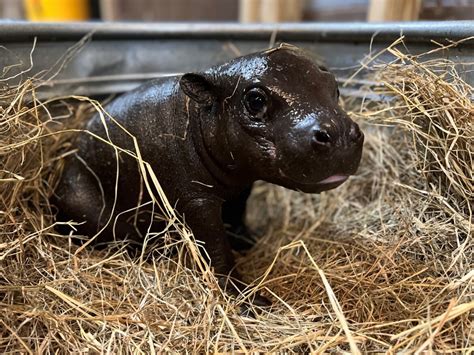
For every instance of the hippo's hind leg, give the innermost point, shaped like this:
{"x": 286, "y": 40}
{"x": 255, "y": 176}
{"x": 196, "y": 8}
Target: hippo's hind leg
{"x": 233, "y": 216}
{"x": 79, "y": 198}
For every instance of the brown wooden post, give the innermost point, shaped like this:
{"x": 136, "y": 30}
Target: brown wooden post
{"x": 249, "y": 10}
{"x": 393, "y": 10}
{"x": 281, "y": 10}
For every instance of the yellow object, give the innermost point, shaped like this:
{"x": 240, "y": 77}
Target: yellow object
{"x": 57, "y": 10}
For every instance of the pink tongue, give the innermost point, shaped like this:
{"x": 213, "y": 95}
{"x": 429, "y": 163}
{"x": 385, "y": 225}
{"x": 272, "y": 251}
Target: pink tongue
{"x": 333, "y": 179}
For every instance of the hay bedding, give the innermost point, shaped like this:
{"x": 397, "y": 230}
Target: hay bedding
{"x": 383, "y": 263}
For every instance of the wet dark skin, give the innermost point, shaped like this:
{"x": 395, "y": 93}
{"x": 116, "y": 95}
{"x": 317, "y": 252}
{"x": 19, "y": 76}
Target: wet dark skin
{"x": 271, "y": 116}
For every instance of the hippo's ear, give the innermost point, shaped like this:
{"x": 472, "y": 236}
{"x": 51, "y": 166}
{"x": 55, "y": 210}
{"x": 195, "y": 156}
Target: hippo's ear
{"x": 198, "y": 88}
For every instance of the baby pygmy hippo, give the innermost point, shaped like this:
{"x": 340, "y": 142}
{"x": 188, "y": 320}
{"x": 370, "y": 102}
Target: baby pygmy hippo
{"x": 271, "y": 116}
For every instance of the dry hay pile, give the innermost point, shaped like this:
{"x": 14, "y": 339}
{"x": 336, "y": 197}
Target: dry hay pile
{"x": 383, "y": 263}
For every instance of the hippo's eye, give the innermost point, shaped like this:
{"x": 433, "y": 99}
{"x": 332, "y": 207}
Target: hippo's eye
{"x": 256, "y": 102}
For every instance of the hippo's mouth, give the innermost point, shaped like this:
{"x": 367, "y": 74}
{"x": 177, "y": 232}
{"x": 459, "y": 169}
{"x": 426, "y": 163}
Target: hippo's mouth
{"x": 334, "y": 179}
{"x": 328, "y": 183}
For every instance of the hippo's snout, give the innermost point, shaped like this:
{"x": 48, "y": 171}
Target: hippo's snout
{"x": 323, "y": 138}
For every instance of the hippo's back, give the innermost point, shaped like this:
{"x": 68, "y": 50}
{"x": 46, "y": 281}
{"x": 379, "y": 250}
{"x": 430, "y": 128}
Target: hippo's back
{"x": 146, "y": 114}
{"x": 141, "y": 112}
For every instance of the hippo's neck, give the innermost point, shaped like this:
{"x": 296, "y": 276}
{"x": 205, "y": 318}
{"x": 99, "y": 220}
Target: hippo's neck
{"x": 212, "y": 148}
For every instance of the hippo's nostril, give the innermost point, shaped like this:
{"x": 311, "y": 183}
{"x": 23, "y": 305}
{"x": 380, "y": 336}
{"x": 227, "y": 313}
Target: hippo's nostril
{"x": 323, "y": 69}
{"x": 321, "y": 137}
{"x": 355, "y": 132}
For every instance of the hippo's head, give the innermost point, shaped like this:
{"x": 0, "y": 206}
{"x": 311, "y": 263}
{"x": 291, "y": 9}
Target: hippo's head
{"x": 275, "y": 116}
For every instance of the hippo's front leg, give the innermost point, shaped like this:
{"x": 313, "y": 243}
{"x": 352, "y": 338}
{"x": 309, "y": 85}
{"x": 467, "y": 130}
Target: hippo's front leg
{"x": 204, "y": 216}
{"x": 233, "y": 216}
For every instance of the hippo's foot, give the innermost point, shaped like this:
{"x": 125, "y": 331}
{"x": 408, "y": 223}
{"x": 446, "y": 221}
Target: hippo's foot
{"x": 241, "y": 239}
{"x": 235, "y": 289}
